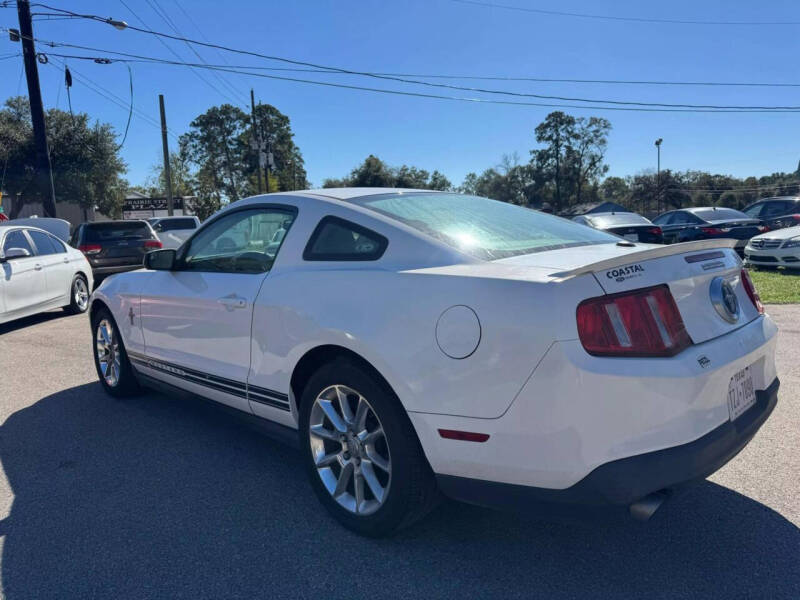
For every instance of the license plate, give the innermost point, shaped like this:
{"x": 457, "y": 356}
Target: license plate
{"x": 741, "y": 394}
{"x": 631, "y": 237}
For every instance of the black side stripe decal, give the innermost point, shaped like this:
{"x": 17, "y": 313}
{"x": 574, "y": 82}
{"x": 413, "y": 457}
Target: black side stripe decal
{"x": 221, "y": 384}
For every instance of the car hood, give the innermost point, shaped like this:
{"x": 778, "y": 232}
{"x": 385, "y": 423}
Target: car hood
{"x": 779, "y": 234}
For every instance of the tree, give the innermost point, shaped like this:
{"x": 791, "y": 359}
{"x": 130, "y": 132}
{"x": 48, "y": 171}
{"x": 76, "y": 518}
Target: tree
{"x": 85, "y": 160}
{"x": 572, "y": 156}
{"x": 220, "y": 145}
{"x": 373, "y": 172}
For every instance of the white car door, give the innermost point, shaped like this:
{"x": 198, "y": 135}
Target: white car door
{"x": 196, "y": 319}
{"x": 23, "y": 279}
{"x": 55, "y": 263}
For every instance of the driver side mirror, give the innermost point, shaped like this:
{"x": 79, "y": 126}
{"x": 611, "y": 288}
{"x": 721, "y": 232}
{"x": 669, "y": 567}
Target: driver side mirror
{"x": 13, "y": 253}
{"x": 160, "y": 260}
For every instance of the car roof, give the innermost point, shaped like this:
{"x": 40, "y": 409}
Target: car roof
{"x": 611, "y": 214}
{"x": 348, "y": 193}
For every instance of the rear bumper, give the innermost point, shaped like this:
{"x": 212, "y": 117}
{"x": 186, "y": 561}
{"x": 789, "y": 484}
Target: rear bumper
{"x": 624, "y": 481}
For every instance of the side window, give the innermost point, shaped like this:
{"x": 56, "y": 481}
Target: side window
{"x": 338, "y": 239}
{"x": 44, "y": 243}
{"x": 245, "y": 241}
{"x": 775, "y": 209}
{"x": 663, "y": 219}
{"x": 754, "y": 211}
{"x": 58, "y": 245}
{"x": 17, "y": 239}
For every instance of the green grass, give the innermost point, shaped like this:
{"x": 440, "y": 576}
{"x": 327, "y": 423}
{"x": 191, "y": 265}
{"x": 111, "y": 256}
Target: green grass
{"x": 777, "y": 286}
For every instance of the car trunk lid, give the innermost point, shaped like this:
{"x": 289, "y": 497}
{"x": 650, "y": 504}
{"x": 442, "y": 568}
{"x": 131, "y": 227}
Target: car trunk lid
{"x": 688, "y": 269}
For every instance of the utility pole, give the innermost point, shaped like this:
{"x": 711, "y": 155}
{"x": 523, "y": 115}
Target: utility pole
{"x": 658, "y": 176}
{"x": 256, "y": 142}
{"x": 167, "y": 172}
{"x": 43, "y": 169}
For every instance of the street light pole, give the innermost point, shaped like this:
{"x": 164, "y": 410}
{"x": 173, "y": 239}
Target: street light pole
{"x": 658, "y": 176}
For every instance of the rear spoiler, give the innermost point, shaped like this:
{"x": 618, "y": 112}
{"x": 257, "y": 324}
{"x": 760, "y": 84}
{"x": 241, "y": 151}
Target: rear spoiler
{"x": 641, "y": 255}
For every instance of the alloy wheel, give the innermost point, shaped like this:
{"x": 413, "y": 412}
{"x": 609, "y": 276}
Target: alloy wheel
{"x": 107, "y": 347}
{"x": 81, "y": 294}
{"x": 350, "y": 450}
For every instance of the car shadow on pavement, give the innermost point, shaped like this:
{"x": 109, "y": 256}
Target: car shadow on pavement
{"x": 24, "y": 322}
{"x": 160, "y": 497}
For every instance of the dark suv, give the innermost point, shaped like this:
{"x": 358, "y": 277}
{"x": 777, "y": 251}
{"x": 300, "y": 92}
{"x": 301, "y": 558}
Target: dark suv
{"x": 776, "y": 213}
{"x": 114, "y": 246}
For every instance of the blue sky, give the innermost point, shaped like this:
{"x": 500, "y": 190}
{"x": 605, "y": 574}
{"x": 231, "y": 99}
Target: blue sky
{"x": 336, "y": 128}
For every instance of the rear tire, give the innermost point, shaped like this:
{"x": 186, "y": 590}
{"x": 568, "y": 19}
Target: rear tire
{"x": 78, "y": 295}
{"x": 363, "y": 458}
{"x": 110, "y": 358}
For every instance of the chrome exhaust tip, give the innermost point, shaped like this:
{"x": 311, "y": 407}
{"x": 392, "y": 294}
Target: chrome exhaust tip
{"x": 643, "y": 509}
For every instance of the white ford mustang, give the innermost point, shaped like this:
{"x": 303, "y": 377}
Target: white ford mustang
{"x": 420, "y": 342}
{"x": 39, "y": 272}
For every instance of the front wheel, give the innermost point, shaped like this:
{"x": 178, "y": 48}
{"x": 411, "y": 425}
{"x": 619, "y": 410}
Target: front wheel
{"x": 361, "y": 452}
{"x": 110, "y": 359}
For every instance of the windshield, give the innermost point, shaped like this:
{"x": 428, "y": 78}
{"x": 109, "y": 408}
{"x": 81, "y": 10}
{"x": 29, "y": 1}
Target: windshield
{"x": 720, "y": 214}
{"x": 483, "y": 228}
{"x": 120, "y": 230}
{"x": 604, "y": 221}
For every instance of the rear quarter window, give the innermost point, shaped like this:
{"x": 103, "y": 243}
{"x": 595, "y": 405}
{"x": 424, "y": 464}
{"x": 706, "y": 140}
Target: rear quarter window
{"x": 339, "y": 239}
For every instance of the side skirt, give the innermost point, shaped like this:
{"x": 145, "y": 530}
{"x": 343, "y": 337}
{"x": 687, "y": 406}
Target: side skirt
{"x": 275, "y": 431}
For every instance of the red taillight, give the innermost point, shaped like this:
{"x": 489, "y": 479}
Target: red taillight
{"x": 752, "y": 293}
{"x": 643, "y": 322}
{"x": 655, "y": 230}
{"x": 90, "y": 248}
{"x": 464, "y": 436}
{"x": 153, "y": 244}
{"x": 712, "y": 230}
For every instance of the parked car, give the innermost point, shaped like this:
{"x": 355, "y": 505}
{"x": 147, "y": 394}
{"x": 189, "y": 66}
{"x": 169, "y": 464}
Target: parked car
{"x": 39, "y": 273}
{"x": 57, "y": 227}
{"x": 414, "y": 340}
{"x": 776, "y": 213}
{"x": 779, "y": 248}
{"x": 115, "y": 246}
{"x": 709, "y": 223}
{"x": 628, "y": 225}
{"x": 173, "y": 231}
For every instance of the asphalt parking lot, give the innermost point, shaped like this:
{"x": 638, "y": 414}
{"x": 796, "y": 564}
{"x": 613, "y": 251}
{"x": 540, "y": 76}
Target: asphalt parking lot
{"x": 158, "y": 497}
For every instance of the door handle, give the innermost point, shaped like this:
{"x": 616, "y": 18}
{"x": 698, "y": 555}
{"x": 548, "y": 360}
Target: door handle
{"x": 65, "y": 259}
{"x": 37, "y": 266}
{"x": 233, "y": 301}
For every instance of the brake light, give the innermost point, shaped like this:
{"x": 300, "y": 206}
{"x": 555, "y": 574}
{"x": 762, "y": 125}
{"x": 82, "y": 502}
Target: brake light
{"x": 752, "y": 293}
{"x": 762, "y": 228}
{"x": 712, "y": 230}
{"x": 153, "y": 244}
{"x": 643, "y": 322}
{"x": 655, "y": 230}
{"x": 90, "y": 248}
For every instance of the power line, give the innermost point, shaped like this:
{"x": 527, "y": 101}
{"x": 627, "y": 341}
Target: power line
{"x": 162, "y": 13}
{"x": 140, "y": 58}
{"x": 163, "y": 43}
{"x": 559, "y": 13}
{"x": 637, "y": 108}
{"x": 160, "y": 35}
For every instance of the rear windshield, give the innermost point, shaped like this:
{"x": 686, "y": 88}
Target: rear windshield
{"x": 172, "y": 224}
{"x": 120, "y": 230}
{"x": 605, "y": 221}
{"x": 483, "y": 228}
{"x": 719, "y": 214}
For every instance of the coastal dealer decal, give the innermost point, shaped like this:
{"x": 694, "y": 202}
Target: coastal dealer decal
{"x": 620, "y": 274}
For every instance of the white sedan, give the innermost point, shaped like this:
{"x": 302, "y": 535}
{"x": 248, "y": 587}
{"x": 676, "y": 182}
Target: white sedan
{"x": 420, "y": 342}
{"x": 40, "y": 272}
{"x": 779, "y": 248}
{"x": 173, "y": 231}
